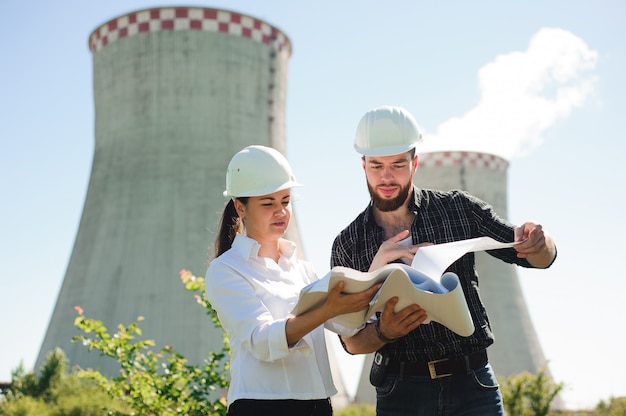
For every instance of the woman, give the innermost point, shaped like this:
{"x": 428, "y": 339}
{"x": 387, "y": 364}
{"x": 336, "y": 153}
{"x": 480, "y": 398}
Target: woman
{"x": 279, "y": 362}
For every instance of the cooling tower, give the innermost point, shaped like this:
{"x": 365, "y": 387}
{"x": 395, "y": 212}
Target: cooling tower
{"x": 516, "y": 347}
{"x": 177, "y": 92}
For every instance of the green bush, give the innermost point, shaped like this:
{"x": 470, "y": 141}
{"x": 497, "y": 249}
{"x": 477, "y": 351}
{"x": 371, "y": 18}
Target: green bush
{"x": 157, "y": 382}
{"x": 362, "y": 409}
{"x": 151, "y": 382}
{"x": 24, "y": 406}
{"x": 615, "y": 407}
{"x": 56, "y": 392}
{"x": 527, "y": 394}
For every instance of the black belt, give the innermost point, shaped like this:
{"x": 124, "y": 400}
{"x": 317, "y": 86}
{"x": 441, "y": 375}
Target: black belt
{"x": 440, "y": 368}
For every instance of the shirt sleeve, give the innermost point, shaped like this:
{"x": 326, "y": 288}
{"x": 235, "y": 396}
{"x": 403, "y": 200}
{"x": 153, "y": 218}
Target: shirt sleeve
{"x": 339, "y": 255}
{"x": 492, "y": 225}
{"x": 243, "y": 315}
{"x": 342, "y": 330}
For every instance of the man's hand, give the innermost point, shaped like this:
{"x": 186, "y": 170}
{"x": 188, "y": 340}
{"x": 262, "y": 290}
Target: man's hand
{"x": 537, "y": 247}
{"x": 390, "y": 250}
{"x": 395, "y": 325}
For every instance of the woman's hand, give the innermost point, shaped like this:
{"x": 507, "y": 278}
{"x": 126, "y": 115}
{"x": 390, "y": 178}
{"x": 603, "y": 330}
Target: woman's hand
{"x": 339, "y": 303}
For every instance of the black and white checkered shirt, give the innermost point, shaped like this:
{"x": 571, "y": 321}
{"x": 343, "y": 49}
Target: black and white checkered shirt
{"x": 440, "y": 217}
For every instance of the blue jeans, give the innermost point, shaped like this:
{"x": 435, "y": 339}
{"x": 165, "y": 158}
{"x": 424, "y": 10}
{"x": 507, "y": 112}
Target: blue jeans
{"x": 474, "y": 394}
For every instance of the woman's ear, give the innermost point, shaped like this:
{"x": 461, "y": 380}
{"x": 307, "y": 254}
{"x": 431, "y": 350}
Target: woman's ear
{"x": 240, "y": 208}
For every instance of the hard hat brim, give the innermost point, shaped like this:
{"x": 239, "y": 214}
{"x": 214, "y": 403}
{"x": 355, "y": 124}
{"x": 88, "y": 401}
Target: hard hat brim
{"x": 385, "y": 151}
{"x": 266, "y": 191}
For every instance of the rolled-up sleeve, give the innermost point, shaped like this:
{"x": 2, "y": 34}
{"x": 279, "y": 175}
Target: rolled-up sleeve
{"x": 342, "y": 330}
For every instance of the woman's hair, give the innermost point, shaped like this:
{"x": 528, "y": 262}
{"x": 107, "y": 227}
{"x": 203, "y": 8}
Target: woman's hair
{"x": 230, "y": 224}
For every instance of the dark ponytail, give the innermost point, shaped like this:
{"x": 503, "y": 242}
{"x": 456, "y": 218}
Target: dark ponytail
{"x": 230, "y": 224}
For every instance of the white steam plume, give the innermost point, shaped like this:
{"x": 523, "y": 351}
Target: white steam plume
{"x": 522, "y": 94}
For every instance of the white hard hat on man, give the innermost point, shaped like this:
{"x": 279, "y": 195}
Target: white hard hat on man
{"x": 258, "y": 170}
{"x": 386, "y": 131}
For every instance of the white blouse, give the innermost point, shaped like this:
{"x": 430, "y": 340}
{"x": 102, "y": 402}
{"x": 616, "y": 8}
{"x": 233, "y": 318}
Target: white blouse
{"x": 253, "y": 297}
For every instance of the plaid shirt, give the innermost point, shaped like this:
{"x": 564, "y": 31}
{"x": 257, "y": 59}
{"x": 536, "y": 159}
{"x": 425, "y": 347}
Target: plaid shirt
{"x": 440, "y": 217}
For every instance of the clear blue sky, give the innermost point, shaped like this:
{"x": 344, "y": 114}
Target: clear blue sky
{"x": 541, "y": 83}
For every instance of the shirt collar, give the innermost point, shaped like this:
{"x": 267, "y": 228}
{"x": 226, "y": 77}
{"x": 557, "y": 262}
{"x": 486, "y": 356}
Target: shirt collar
{"x": 415, "y": 202}
{"x": 248, "y": 248}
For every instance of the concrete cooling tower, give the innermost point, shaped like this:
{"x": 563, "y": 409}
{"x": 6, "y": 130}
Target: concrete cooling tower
{"x": 177, "y": 92}
{"x": 516, "y": 347}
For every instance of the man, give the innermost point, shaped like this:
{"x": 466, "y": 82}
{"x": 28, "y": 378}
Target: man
{"x": 431, "y": 370}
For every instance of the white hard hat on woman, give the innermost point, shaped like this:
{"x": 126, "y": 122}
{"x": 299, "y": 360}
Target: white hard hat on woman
{"x": 258, "y": 170}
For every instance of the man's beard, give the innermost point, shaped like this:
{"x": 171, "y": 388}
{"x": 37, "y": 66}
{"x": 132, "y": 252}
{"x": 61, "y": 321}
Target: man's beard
{"x": 387, "y": 205}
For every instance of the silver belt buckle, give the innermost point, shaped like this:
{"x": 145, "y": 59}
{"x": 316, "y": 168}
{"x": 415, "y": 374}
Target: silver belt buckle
{"x": 433, "y": 371}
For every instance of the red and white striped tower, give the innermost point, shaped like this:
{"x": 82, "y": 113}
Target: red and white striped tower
{"x": 177, "y": 92}
{"x": 483, "y": 175}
